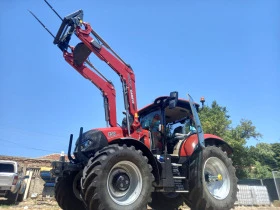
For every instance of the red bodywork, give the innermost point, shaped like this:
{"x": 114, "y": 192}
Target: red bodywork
{"x": 116, "y": 133}
{"x": 127, "y": 77}
{"x": 188, "y": 146}
{"x": 107, "y": 88}
{"x": 125, "y": 72}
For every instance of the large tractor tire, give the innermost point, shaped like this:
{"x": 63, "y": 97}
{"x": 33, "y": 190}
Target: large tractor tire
{"x": 166, "y": 201}
{"x": 117, "y": 178}
{"x": 64, "y": 193}
{"x": 217, "y": 187}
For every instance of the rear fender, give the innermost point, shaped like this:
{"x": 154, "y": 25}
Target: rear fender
{"x": 191, "y": 143}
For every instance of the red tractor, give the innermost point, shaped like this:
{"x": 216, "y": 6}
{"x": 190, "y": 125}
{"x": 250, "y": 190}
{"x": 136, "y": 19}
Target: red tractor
{"x": 159, "y": 156}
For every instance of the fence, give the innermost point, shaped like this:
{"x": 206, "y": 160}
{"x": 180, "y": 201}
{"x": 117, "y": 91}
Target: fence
{"x": 252, "y": 195}
{"x": 272, "y": 185}
{"x": 276, "y": 177}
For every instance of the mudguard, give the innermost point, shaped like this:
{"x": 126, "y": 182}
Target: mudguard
{"x": 189, "y": 145}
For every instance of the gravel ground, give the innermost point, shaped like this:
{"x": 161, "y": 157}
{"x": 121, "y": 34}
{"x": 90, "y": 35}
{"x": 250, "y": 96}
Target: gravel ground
{"x": 52, "y": 205}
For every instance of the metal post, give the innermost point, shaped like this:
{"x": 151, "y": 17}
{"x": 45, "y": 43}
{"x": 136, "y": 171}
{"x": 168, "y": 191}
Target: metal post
{"x": 278, "y": 193}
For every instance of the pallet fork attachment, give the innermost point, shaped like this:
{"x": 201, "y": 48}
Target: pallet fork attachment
{"x": 78, "y": 56}
{"x": 73, "y": 24}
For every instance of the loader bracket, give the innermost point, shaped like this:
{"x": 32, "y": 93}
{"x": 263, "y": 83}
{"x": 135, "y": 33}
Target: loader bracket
{"x": 67, "y": 28}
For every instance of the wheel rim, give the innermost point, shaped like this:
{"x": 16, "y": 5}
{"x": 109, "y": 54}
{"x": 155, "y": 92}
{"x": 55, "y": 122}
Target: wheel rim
{"x": 124, "y": 183}
{"x": 216, "y": 177}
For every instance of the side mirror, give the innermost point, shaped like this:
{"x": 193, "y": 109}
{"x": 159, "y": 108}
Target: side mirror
{"x": 173, "y": 100}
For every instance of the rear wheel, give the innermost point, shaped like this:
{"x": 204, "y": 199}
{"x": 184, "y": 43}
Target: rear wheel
{"x": 166, "y": 201}
{"x": 20, "y": 197}
{"x": 64, "y": 193}
{"x": 217, "y": 188}
{"x": 12, "y": 197}
{"x": 119, "y": 178}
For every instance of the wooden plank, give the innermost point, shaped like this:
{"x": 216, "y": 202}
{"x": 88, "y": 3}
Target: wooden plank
{"x": 28, "y": 185}
{"x": 25, "y": 180}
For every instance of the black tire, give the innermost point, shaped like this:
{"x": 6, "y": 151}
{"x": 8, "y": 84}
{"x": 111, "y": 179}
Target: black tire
{"x": 216, "y": 171}
{"x": 64, "y": 193}
{"x": 166, "y": 201}
{"x": 21, "y": 191}
{"x": 20, "y": 197}
{"x": 117, "y": 178}
{"x": 12, "y": 197}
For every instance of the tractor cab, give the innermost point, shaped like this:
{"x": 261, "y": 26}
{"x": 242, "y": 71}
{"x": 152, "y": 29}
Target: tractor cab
{"x": 169, "y": 120}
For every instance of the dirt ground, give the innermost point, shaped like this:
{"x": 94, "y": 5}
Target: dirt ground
{"x": 48, "y": 204}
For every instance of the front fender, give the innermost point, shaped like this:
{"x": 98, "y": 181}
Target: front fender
{"x": 191, "y": 143}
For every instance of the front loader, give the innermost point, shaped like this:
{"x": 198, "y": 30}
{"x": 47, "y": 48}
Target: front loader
{"x": 158, "y": 156}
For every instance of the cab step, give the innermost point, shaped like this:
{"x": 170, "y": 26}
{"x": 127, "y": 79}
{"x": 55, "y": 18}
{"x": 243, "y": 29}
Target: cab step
{"x": 176, "y": 164}
{"x": 181, "y": 191}
{"x": 179, "y": 177}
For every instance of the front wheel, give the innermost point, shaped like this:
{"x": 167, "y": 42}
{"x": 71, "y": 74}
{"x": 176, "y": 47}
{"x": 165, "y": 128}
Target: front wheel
{"x": 217, "y": 188}
{"x": 64, "y": 193}
{"x": 117, "y": 178}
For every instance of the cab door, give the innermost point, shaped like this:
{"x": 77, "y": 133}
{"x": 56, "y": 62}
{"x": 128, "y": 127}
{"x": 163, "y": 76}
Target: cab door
{"x": 196, "y": 120}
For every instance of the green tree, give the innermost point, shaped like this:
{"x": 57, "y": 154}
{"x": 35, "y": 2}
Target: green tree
{"x": 264, "y": 155}
{"x": 215, "y": 120}
{"x": 259, "y": 171}
{"x": 276, "y": 149}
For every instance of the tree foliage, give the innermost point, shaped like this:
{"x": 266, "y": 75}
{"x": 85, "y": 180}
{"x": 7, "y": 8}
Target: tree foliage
{"x": 276, "y": 149}
{"x": 215, "y": 120}
{"x": 259, "y": 171}
{"x": 264, "y": 161}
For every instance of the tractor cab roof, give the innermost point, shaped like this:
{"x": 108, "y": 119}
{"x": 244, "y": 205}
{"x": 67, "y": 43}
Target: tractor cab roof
{"x": 182, "y": 109}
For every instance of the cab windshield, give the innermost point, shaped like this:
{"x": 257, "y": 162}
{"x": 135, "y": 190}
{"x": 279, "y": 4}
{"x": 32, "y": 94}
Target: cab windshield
{"x": 151, "y": 121}
{"x": 178, "y": 120}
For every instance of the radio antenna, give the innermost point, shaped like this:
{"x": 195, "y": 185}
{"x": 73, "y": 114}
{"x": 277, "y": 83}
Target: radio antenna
{"x": 53, "y": 9}
{"x": 41, "y": 23}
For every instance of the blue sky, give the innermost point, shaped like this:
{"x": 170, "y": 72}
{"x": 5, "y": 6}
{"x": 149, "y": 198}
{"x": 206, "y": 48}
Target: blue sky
{"x": 227, "y": 51}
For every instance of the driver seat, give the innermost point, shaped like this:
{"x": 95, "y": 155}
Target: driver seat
{"x": 177, "y": 146}
{"x": 179, "y": 129}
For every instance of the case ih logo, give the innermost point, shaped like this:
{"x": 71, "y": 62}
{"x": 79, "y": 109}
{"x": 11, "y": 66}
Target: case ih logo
{"x": 112, "y": 134}
{"x": 132, "y": 97}
{"x": 130, "y": 87}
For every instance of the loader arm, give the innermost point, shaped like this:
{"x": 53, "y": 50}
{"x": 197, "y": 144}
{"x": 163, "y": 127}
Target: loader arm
{"x": 107, "y": 88}
{"x": 73, "y": 24}
{"x": 124, "y": 71}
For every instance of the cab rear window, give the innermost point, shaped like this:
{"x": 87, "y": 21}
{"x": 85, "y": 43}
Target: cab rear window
{"x": 6, "y": 167}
